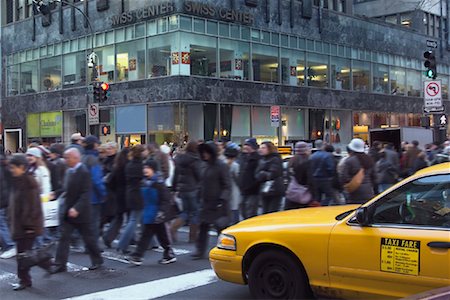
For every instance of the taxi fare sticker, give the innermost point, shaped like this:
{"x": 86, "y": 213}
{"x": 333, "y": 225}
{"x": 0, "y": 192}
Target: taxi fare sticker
{"x": 400, "y": 256}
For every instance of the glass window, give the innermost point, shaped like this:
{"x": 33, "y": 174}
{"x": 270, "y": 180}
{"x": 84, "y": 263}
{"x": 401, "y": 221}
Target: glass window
{"x": 105, "y": 63}
{"x": 159, "y": 50}
{"x": 130, "y": 60}
{"x": 265, "y": 63}
{"x": 275, "y": 38}
{"x": 29, "y": 77}
{"x": 422, "y": 202}
{"x": 12, "y": 78}
{"x": 163, "y": 25}
{"x": 261, "y": 128}
{"x": 120, "y": 35}
{"x": 414, "y": 83}
{"x": 361, "y": 76}
{"x": 293, "y": 42}
{"x": 163, "y": 122}
{"x": 151, "y": 28}
{"x": 398, "y": 81}
{"x": 199, "y": 25}
{"x": 203, "y": 55}
{"x": 240, "y": 124}
{"x": 301, "y": 43}
{"x": 235, "y": 31}
{"x": 51, "y": 74}
{"x": 211, "y": 27}
{"x": 293, "y": 67}
{"x": 317, "y": 72}
{"x": 109, "y": 37}
{"x": 310, "y": 45}
{"x": 284, "y": 40}
{"x": 245, "y": 33}
{"x": 265, "y": 37}
{"x": 139, "y": 32}
{"x": 186, "y": 23}
{"x": 224, "y": 30}
{"x": 234, "y": 59}
{"x": 340, "y": 73}
{"x": 173, "y": 22}
{"x": 380, "y": 79}
{"x": 129, "y": 33}
{"x": 74, "y": 69}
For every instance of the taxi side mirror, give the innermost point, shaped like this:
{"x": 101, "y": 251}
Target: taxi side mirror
{"x": 362, "y": 216}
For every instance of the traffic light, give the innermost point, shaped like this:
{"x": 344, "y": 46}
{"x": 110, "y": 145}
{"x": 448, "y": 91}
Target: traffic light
{"x": 430, "y": 64}
{"x": 97, "y": 92}
{"x": 104, "y": 91}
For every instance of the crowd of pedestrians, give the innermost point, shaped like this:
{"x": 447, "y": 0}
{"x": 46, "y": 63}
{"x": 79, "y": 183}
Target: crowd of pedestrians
{"x": 144, "y": 194}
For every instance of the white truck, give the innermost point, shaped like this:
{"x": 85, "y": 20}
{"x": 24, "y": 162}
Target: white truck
{"x": 397, "y": 135}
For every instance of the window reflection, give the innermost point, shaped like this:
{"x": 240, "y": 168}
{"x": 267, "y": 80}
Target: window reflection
{"x": 105, "y": 64}
{"x": 74, "y": 67}
{"x": 234, "y": 59}
{"x": 293, "y": 67}
{"x": 380, "y": 79}
{"x": 203, "y": 56}
{"x": 159, "y": 55}
{"x": 12, "y": 77}
{"x": 361, "y": 76}
{"x": 130, "y": 61}
{"x": 398, "y": 81}
{"x": 317, "y": 70}
{"x": 265, "y": 63}
{"x": 29, "y": 77}
{"x": 414, "y": 83}
{"x": 340, "y": 73}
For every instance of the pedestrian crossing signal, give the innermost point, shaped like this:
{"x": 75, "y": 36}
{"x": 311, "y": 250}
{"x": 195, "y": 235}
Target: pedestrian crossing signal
{"x": 106, "y": 129}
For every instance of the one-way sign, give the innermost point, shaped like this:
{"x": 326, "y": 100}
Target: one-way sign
{"x": 432, "y": 44}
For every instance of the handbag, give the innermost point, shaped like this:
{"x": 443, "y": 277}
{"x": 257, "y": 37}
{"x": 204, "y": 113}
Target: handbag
{"x": 267, "y": 187}
{"x": 355, "y": 183}
{"x": 31, "y": 258}
{"x": 298, "y": 193}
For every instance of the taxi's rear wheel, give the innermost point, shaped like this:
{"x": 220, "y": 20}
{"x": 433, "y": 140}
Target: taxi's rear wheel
{"x": 275, "y": 275}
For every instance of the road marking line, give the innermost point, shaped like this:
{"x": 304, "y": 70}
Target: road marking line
{"x": 75, "y": 268}
{"x": 186, "y": 230}
{"x": 115, "y": 256}
{"x": 175, "y": 250}
{"x": 4, "y": 276}
{"x": 155, "y": 289}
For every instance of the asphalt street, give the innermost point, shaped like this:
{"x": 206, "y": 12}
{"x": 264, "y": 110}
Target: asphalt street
{"x": 185, "y": 279}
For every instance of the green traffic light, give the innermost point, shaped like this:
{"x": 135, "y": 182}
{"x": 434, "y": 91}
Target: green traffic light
{"x": 430, "y": 74}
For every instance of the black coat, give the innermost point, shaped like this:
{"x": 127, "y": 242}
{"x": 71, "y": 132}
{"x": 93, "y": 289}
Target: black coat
{"x": 365, "y": 191}
{"x": 5, "y": 185}
{"x": 187, "y": 172}
{"x": 109, "y": 208}
{"x": 118, "y": 185}
{"x": 25, "y": 208}
{"x": 215, "y": 187}
{"x": 134, "y": 175}
{"x": 57, "y": 169}
{"x": 77, "y": 188}
{"x": 271, "y": 168}
{"x": 247, "y": 181}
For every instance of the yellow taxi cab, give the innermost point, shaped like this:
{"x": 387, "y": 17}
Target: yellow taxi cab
{"x": 395, "y": 245}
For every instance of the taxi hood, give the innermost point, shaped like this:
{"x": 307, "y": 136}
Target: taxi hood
{"x": 296, "y": 217}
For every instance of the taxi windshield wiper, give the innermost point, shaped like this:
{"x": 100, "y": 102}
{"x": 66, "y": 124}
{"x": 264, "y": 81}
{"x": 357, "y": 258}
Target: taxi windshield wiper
{"x": 344, "y": 214}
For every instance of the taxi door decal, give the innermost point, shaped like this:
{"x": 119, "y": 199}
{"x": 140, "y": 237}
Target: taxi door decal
{"x": 400, "y": 256}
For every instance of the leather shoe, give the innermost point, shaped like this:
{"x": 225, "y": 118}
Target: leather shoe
{"x": 20, "y": 286}
{"x": 95, "y": 267}
{"x": 59, "y": 269}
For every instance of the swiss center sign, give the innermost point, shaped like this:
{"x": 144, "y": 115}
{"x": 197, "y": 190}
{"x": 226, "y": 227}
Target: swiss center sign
{"x": 275, "y": 116}
{"x": 432, "y": 93}
{"x": 94, "y": 114}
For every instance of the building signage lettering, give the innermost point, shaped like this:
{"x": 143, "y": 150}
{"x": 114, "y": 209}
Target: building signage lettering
{"x": 222, "y": 13}
{"x": 141, "y": 14}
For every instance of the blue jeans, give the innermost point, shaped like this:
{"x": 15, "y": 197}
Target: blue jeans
{"x": 5, "y": 237}
{"x": 130, "y": 229}
{"x": 190, "y": 207}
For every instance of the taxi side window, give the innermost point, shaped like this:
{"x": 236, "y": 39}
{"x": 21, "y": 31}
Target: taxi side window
{"x": 422, "y": 202}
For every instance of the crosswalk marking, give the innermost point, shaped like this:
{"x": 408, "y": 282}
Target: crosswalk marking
{"x": 115, "y": 256}
{"x": 175, "y": 250}
{"x": 75, "y": 268}
{"x": 4, "y": 276}
{"x": 155, "y": 289}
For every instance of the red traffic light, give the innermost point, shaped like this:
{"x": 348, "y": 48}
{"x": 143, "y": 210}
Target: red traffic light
{"x": 104, "y": 86}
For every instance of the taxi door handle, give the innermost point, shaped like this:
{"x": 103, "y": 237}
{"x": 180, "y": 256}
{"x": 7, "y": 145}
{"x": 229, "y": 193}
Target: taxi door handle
{"x": 445, "y": 245}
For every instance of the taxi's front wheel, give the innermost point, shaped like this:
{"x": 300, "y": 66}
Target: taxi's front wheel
{"x": 275, "y": 275}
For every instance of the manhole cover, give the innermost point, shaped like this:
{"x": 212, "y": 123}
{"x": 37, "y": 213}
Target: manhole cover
{"x": 103, "y": 273}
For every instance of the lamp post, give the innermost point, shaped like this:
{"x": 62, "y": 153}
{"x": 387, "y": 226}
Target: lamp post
{"x": 43, "y": 7}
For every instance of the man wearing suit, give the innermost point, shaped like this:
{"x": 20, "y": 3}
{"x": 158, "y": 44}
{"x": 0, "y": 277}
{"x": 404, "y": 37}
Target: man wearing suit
{"x": 75, "y": 212}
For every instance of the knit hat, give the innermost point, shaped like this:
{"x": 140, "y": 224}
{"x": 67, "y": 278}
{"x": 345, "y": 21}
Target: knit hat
{"x": 252, "y": 143}
{"x": 57, "y": 149}
{"x": 19, "y": 160}
{"x": 301, "y": 148}
{"x": 152, "y": 164}
{"x": 231, "y": 151}
{"x": 357, "y": 145}
{"x": 34, "y": 152}
{"x": 91, "y": 140}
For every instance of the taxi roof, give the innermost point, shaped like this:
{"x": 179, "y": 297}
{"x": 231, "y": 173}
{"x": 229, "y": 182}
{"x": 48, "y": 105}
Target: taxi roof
{"x": 443, "y": 167}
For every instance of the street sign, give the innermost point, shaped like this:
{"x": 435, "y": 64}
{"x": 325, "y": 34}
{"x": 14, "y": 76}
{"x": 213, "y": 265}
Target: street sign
{"x": 275, "y": 116}
{"x": 432, "y": 94}
{"x": 432, "y": 44}
{"x": 94, "y": 114}
{"x": 433, "y": 110}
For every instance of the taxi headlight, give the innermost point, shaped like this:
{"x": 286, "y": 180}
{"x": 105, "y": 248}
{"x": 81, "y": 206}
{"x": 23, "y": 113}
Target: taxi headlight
{"x": 226, "y": 242}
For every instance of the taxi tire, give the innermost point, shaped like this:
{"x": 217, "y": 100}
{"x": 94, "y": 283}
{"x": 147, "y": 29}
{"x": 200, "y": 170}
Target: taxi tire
{"x": 274, "y": 274}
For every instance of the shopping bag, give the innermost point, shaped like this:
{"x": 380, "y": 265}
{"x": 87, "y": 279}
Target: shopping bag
{"x": 51, "y": 213}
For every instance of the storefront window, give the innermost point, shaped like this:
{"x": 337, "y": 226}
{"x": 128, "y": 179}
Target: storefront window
{"x": 265, "y": 63}
{"x": 380, "y": 79}
{"x": 164, "y": 124}
{"x": 398, "y": 120}
{"x": 414, "y": 119}
{"x": 105, "y": 64}
{"x": 51, "y": 74}
{"x": 130, "y": 60}
{"x": 74, "y": 121}
{"x": 203, "y": 54}
{"x": 362, "y": 122}
{"x": 340, "y": 73}
{"x": 317, "y": 72}
{"x": 318, "y": 124}
{"x": 261, "y": 128}
{"x": 194, "y": 122}
{"x": 234, "y": 59}
{"x": 12, "y": 78}
{"x": 341, "y": 128}
{"x": 398, "y": 81}
{"x": 380, "y": 120}
{"x": 361, "y": 76}
{"x": 159, "y": 49}
{"x": 293, "y": 124}
{"x": 74, "y": 69}
{"x": 414, "y": 83}
{"x": 240, "y": 125}
{"x": 29, "y": 77}
{"x": 293, "y": 67}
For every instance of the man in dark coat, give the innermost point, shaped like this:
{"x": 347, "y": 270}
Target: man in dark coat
{"x": 26, "y": 217}
{"x": 215, "y": 192}
{"x": 248, "y": 184}
{"x": 6, "y": 242}
{"x": 76, "y": 212}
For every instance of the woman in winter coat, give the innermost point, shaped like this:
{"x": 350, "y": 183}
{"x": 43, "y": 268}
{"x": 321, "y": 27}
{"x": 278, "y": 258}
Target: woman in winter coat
{"x": 353, "y": 164}
{"x": 231, "y": 153}
{"x": 300, "y": 171}
{"x": 39, "y": 171}
{"x": 117, "y": 185}
{"x": 270, "y": 174}
{"x": 215, "y": 193}
{"x": 134, "y": 201}
{"x": 26, "y": 217}
{"x": 186, "y": 182}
